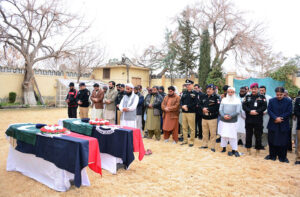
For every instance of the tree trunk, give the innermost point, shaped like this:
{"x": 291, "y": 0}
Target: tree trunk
{"x": 28, "y": 87}
{"x": 39, "y": 92}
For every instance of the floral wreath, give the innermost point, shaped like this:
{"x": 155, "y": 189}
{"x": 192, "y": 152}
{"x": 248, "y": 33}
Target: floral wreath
{"x": 99, "y": 122}
{"x": 53, "y": 129}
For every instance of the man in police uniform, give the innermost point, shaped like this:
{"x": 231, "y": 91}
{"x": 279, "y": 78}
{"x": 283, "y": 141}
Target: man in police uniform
{"x": 209, "y": 104}
{"x": 188, "y": 104}
{"x": 254, "y": 105}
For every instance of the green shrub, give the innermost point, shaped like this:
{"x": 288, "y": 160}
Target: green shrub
{"x": 12, "y": 97}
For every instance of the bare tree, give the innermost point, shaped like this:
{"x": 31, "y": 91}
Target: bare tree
{"x": 264, "y": 64}
{"x": 86, "y": 58}
{"x": 230, "y": 33}
{"x": 10, "y": 57}
{"x": 39, "y": 30}
{"x": 162, "y": 57}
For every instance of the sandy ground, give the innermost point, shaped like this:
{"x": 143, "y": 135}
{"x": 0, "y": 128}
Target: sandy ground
{"x": 172, "y": 170}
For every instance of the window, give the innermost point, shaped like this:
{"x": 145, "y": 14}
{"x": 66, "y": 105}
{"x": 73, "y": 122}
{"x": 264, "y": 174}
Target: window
{"x": 106, "y": 73}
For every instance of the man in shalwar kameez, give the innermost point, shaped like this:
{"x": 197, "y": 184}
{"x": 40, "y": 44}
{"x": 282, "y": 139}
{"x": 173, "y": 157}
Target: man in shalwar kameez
{"x": 229, "y": 110}
{"x": 128, "y": 107}
{"x": 153, "y": 107}
{"x": 280, "y": 110}
{"x": 170, "y": 107}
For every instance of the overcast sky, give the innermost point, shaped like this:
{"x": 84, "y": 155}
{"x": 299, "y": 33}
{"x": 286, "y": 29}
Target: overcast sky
{"x": 129, "y": 26}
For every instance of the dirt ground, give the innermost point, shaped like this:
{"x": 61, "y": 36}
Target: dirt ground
{"x": 172, "y": 170}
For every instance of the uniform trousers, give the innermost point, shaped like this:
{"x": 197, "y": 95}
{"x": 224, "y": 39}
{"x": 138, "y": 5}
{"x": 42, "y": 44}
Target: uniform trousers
{"x": 256, "y": 129}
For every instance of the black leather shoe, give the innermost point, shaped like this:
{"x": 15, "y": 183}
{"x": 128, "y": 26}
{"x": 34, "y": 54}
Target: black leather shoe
{"x": 230, "y": 153}
{"x": 180, "y": 139}
{"x": 191, "y": 145}
{"x": 237, "y": 154}
{"x": 213, "y": 150}
{"x": 285, "y": 160}
{"x": 218, "y": 140}
{"x": 268, "y": 157}
{"x": 223, "y": 150}
{"x": 203, "y": 147}
{"x": 297, "y": 162}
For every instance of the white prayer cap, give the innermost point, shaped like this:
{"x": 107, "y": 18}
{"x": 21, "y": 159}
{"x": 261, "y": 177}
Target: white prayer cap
{"x": 129, "y": 85}
{"x": 231, "y": 88}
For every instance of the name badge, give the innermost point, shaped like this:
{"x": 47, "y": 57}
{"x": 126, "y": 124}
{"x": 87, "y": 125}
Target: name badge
{"x": 255, "y": 104}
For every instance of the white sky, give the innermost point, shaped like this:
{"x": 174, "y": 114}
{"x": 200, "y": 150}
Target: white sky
{"x": 129, "y": 26}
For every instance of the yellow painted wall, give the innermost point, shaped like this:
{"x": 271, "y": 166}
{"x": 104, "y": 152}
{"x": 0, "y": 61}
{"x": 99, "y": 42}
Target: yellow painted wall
{"x": 119, "y": 75}
{"x": 297, "y": 81}
{"x": 167, "y": 82}
{"x": 10, "y": 82}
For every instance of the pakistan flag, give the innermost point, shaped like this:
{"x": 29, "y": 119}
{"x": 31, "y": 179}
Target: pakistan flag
{"x": 23, "y": 132}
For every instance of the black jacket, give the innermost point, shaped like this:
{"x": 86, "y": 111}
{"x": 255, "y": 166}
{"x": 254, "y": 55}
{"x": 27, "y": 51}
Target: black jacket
{"x": 157, "y": 101}
{"x": 72, "y": 96}
{"x": 83, "y": 96}
{"x": 199, "y": 97}
{"x": 119, "y": 98}
{"x": 212, "y": 103}
{"x": 190, "y": 99}
{"x": 254, "y": 102}
{"x": 297, "y": 108}
{"x": 139, "y": 109}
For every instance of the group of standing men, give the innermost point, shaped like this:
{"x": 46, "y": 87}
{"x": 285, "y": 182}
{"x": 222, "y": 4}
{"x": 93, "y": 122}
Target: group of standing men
{"x": 206, "y": 112}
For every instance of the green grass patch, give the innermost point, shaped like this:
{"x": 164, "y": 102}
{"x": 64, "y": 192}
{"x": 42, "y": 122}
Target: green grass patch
{"x": 9, "y": 104}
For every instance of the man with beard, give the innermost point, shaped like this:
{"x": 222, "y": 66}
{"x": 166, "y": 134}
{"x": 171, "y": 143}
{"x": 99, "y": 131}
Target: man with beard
{"x": 97, "y": 102}
{"x": 241, "y": 119}
{"x": 161, "y": 91}
{"x": 121, "y": 93}
{"x": 139, "y": 109}
{"x": 170, "y": 108}
{"x": 229, "y": 110}
{"x": 71, "y": 100}
{"x": 109, "y": 101}
{"x": 148, "y": 96}
{"x": 254, "y": 106}
{"x": 153, "y": 108}
{"x": 128, "y": 107}
{"x": 280, "y": 110}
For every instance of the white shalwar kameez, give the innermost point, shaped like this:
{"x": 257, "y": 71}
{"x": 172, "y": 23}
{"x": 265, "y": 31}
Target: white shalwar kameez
{"x": 132, "y": 107}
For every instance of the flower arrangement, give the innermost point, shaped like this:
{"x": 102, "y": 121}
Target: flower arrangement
{"x": 53, "y": 129}
{"x": 99, "y": 122}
